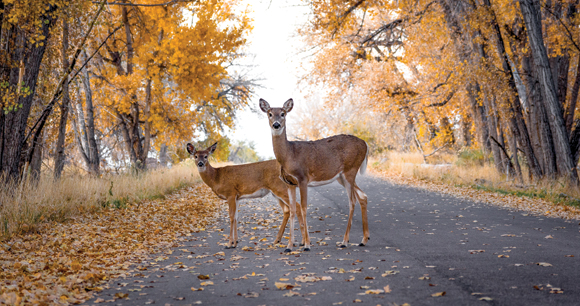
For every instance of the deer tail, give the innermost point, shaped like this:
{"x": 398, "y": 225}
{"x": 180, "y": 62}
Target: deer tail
{"x": 363, "y": 166}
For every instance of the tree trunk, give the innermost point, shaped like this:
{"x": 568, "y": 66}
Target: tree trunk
{"x": 540, "y": 117}
{"x": 19, "y": 50}
{"x": 515, "y": 161}
{"x": 36, "y": 162}
{"x": 517, "y": 123}
{"x": 64, "y": 106}
{"x": 531, "y": 12}
{"x": 571, "y": 107}
{"x": 493, "y": 128}
{"x": 92, "y": 148}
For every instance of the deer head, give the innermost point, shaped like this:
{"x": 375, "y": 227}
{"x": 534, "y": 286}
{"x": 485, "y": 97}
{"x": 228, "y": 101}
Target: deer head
{"x": 201, "y": 157}
{"x": 277, "y": 115}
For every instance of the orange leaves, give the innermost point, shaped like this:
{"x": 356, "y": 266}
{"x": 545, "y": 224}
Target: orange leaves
{"x": 182, "y": 50}
{"x": 69, "y": 261}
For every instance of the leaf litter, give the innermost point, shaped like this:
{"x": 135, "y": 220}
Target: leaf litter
{"x": 66, "y": 263}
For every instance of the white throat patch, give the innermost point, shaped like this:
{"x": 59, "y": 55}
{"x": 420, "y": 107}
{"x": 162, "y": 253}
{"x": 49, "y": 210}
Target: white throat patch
{"x": 277, "y": 132}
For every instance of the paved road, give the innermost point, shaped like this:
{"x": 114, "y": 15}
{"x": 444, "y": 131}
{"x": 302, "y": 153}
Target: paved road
{"x": 422, "y": 243}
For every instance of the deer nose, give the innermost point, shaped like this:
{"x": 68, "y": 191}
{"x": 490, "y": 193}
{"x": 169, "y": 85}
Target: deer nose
{"x": 276, "y": 125}
{"x": 200, "y": 164}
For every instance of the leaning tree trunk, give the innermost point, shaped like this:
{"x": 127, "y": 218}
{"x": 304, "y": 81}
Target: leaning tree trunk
{"x": 64, "y": 106}
{"x": 517, "y": 123}
{"x": 531, "y": 12}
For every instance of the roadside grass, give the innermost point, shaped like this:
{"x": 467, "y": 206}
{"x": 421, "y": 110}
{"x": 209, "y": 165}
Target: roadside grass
{"x": 25, "y": 205}
{"x": 469, "y": 169}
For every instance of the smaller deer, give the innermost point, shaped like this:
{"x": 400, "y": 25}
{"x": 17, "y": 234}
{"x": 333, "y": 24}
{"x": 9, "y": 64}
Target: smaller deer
{"x": 233, "y": 183}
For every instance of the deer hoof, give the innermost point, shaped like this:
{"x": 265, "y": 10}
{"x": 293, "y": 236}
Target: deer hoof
{"x": 227, "y": 247}
{"x": 287, "y": 251}
{"x": 361, "y": 244}
{"x": 306, "y": 249}
{"x": 342, "y": 246}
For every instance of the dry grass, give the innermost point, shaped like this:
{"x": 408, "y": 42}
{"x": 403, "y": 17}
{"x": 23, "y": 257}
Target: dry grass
{"x": 467, "y": 169}
{"x": 445, "y": 168}
{"x": 24, "y": 206}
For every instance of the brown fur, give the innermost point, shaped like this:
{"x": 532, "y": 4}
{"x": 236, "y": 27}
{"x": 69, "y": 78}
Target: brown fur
{"x": 232, "y": 183}
{"x": 305, "y": 163}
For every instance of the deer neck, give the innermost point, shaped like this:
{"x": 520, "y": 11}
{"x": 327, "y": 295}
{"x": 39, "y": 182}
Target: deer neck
{"x": 209, "y": 175}
{"x": 281, "y": 147}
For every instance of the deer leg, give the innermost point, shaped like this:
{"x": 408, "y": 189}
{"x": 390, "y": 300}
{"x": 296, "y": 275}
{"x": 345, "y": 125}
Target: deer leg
{"x": 301, "y": 218}
{"x": 303, "y": 205}
{"x": 292, "y": 206}
{"x": 233, "y": 222}
{"x": 362, "y": 201}
{"x": 286, "y": 211}
{"x": 351, "y": 202}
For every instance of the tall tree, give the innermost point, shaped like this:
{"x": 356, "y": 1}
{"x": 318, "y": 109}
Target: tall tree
{"x": 531, "y": 13}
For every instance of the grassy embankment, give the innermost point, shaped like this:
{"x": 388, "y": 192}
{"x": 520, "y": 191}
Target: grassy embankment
{"x": 468, "y": 169}
{"x": 24, "y": 206}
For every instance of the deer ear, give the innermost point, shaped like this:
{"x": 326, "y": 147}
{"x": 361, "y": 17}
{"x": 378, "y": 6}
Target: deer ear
{"x": 212, "y": 148}
{"x": 288, "y": 105}
{"x": 264, "y": 106}
{"x": 190, "y": 148}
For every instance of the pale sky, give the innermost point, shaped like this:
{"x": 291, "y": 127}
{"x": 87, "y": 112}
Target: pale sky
{"x": 274, "y": 43}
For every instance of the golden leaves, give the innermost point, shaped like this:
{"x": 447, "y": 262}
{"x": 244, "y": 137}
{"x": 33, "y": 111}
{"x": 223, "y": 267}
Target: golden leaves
{"x": 67, "y": 262}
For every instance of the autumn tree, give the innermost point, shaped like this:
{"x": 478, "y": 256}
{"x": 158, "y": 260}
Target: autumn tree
{"x": 471, "y": 65}
{"x": 163, "y": 73}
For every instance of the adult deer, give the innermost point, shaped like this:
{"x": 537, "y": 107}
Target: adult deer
{"x": 233, "y": 183}
{"x": 315, "y": 163}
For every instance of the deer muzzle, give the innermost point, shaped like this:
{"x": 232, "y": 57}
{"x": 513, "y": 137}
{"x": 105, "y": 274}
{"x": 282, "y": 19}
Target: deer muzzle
{"x": 276, "y": 125}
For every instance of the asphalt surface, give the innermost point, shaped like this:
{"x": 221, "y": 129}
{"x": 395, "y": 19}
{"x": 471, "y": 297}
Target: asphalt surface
{"x": 422, "y": 244}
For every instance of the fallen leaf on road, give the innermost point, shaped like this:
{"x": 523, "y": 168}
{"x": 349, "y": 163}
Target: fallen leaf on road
{"x": 283, "y": 286}
{"x": 291, "y": 293}
{"x": 387, "y": 289}
{"x": 208, "y": 283}
{"x": 486, "y": 298}
{"x": 556, "y": 290}
{"x": 476, "y": 251}
{"x": 121, "y": 295}
{"x": 196, "y": 289}
{"x": 543, "y": 264}
{"x": 503, "y": 256}
{"x": 251, "y": 295}
{"x": 357, "y": 301}
{"x": 201, "y": 276}
{"x": 374, "y": 291}
{"x": 438, "y": 294}
{"x": 389, "y": 273}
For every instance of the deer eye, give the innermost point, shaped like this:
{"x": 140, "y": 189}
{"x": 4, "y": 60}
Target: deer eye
{"x": 282, "y": 115}
{"x": 205, "y": 157}
{"x": 270, "y": 115}
{"x": 195, "y": 156}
